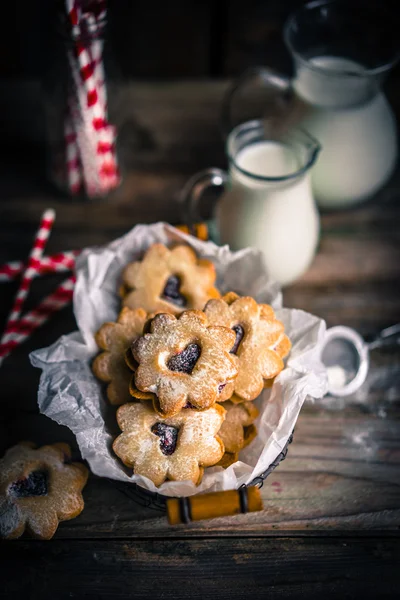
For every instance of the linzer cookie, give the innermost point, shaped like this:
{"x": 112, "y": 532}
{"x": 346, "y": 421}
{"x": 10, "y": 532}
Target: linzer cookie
{"x": 38, "y": 490}
{"x": 169, "y": 280}
{"x": 228, "y": 459}
{"x": 260, "y": 343}
{"x": 177, "y": 448}
{"x": 115, "y": 338}
{"x": 233, "y": 430}
{"x": 184, "y": 361}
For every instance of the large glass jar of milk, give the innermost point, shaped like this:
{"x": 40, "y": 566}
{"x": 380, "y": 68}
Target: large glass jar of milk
{"x": 342, "y": 50}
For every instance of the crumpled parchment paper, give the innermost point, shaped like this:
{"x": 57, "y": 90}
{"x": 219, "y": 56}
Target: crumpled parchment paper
{"x": 71, "y": 395}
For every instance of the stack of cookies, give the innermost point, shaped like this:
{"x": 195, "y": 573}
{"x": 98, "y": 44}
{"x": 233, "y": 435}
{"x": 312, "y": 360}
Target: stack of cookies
{"x": 185, "y": 366}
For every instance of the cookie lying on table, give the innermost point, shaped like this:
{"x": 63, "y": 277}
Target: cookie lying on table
{"x": 38, "y": 489}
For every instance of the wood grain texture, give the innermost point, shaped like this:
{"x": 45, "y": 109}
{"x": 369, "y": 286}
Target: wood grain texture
{"x": 230, "y": 569}
{"x": 342, "y": 472}
{"x": 343, "y": 468}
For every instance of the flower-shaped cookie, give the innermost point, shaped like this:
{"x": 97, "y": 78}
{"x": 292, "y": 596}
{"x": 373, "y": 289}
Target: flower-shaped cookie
{"x": 115, "y": 339}
{"x": 38, "y": 490}
{"x": 238, "y": 419}
{"x": 228, "y": 459}
{"x": 183, "y": 360}
{"x": 177, "y": 448}
{"x": 169, "y": 280}
{"x": 260, "y": 343}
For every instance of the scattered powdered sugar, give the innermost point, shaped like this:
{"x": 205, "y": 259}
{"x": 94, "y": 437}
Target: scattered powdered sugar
{"x": 140, "y": 444}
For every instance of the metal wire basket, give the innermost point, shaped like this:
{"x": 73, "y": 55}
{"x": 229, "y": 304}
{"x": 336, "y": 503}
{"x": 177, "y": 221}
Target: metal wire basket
{"x": 157, "y": 501}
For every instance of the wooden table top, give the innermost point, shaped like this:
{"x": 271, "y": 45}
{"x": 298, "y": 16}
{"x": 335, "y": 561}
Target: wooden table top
{"x": 332, "y": 508}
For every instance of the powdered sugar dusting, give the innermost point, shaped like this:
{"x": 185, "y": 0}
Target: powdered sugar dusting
{"x": 71, "y": 395}
{"x": 196, "y": 444}
{"x": 40, "y": 512}
{"x": 169, "y": 338}
{"x": 257, "y": 351}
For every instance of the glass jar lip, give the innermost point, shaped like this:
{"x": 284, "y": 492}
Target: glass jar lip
{"x": 315, "y": 148}
{"x": 372, "y": 72}
{"x": 95, "y": 31}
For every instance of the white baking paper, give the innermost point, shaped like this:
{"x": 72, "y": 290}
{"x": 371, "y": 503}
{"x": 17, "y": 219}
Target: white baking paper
{"x": 70, "y": 394}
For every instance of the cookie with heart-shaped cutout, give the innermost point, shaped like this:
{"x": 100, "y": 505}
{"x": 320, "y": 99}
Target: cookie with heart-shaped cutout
{"x": 238, "y": 418}
{"x": 38, "y": 489}
{"x": 175, "y": 448}
{"x": 184, "y": 360}
{"x": 168, "y": 280}
{"x": 260, "y": 341}
{"x": 115, "y": 338}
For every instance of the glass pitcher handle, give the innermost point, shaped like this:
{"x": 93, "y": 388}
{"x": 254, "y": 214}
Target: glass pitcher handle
{"x": 193, "y": 190}
{"x": 272, "y": 79}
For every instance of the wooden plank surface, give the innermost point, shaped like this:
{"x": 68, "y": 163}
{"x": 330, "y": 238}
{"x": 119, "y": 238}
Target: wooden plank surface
{"x": 342, "y": 470}
{"x": 231, "y": 569}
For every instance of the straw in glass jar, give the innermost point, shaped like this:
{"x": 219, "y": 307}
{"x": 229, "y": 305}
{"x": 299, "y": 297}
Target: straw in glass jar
{"x": 95, "y": 138}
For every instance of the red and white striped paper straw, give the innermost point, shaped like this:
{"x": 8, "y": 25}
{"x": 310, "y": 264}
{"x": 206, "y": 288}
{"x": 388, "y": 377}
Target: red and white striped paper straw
{"x": 94, "y": 135}
{"x": 54, "y": 302}
{"x": 85, "y": 134}
{"x": 97, "y": 51}
{"x": 35, "y": 256}
{"x": 103, "y": 138}
{"x": 57, "y": 263}
{"x": 74, "y": 165}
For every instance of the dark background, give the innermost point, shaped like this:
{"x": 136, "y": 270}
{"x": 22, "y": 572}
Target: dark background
{"x": 175, "y": 39}
{"x": 148, "y": 40}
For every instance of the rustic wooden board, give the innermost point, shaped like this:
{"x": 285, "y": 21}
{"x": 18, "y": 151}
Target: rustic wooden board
{"x": 343, "y": 468}
{"x": 342, "y": 472}
{"x": 171, "y": 569}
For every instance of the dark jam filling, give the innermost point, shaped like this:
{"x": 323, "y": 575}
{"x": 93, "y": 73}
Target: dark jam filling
{"x": 168, "y": 437}
{"x": 188, "y": 405}
{"x": 221, "y": 387}
{"x": 238, "y": 329}
{"x": 36, "y": 484}
{"x": 171, "y": 291}
{"x": 185, "y": 361}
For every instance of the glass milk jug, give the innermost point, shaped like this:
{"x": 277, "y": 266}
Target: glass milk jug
{"x": 340, "y": 55}
{"x": 267, "y": 201}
